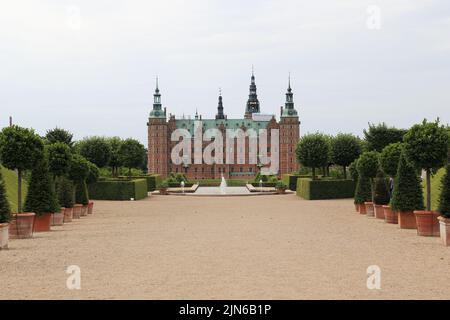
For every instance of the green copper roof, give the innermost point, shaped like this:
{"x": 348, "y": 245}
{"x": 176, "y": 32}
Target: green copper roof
{"x": 188, "y": 124}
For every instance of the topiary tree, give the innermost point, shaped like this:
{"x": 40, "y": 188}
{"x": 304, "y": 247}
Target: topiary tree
{"x": 5, "y": 208}
{"x": 78, "y": 172}
{"x": 59, "y": 135}
{"x": 408, "y": 195}
{"x": 19, "y": 149}
{"x": 41, "y": 197}
{"x": 381, "y": 192}
{"x": 426, "y": 145}
{"x": 345, "y": 148}
{"x": 131, "y": 154}
{"x": 312, "y": 151}
{"x": 95, "y": 149}
{"x": 59, "y": 157}
{"x": 444, "y": 201}
{"x": 379, "y": 136}
{"x": 66, "y": 192}
{"x": 368, "y": 166}
{"x": 114, "y": 161}
{"x": 352, "y": 168}
{"x": 363, "y": 191}
{"x": 390, "y": 157}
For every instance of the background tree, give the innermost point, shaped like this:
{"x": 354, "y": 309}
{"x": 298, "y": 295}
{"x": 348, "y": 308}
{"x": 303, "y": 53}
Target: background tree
{"x": 41, "y": 197}
{"x": 78, "y": 172}
{"x": 114, "y": 161}
{"x": 381, "y": 193}
{"x": 444, "y": 201}
{"x": 96, "y": 150}
{"x": 312, "y": 151}
{"x": 5, "y": 208}
{"x": 368, "y": 166}
{"x": 345, "y": 148}
{"x": 131, "y": 154}
{"x": 19, "y": 148}
{"x": 379, "y": 136}
{"x": 426, "y": 145}
{"x": 390, "y": 157}
{"x": 408, "y": 194}
{"x": 59, "y": 157}
{"x": 59, "y": 135}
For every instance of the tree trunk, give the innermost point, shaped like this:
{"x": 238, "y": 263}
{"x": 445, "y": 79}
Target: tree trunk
{"x": 19, "y": 191}
{"x": 345, "y": 173}
{"x": 428, "y": 189}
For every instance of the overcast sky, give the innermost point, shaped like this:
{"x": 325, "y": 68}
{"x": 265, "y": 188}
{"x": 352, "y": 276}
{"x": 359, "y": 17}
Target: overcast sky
{"x": 90, "y": 66}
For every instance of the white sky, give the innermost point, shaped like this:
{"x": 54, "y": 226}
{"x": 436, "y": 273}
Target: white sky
{"x": 95, "y": 75}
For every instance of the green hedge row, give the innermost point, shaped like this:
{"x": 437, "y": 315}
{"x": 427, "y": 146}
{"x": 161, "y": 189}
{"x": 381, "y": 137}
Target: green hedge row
{"x": 325, "y": 189}
{"x": 153, "y": 180}
{"x": 290, "y": 180}
{"x": 118, "y": 189}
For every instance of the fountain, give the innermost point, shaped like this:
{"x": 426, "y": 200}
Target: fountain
{"x": 223, "y": 185}
{"x": 182, "y": 187}
{"x": 260, "y": 186}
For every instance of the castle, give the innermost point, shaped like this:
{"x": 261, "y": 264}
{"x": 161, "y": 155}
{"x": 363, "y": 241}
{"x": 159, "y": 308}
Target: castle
{"x": 160, "y": 144}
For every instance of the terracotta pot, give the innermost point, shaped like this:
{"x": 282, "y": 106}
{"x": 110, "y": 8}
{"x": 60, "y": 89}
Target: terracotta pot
{"x": 362, "y": 208}
{"x": 280, "y": 191}
{"x": 390, "y": 216}
{"x": 4, "y": 235}
{"x": 77, "y": 211}
{"x": 427, "y": 223}
{"x": 444, "y": 225}
{"x": 90, "y": 207}
{"x": 58, "y": 218}
{"x": 370, "y": 212}
{"x": 21, "y": 226}
{"x": 407, "y": 220}
{"x": 356, "y": 207}
{"x": 84, "y": 210}
{"x": 379, "y": 211}
{"x": 163, "y": 191}
{"x": 42, "y": 222}
{"x": 68, "y": 215}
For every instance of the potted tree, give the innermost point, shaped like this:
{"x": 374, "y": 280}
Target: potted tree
{"x": 368, "y": 165}
{"x": 389, "y": 159}
{"x": 78, "y": 172}
{"x": 362, "y": 193}
{"x": 66, "y": 197}
{"x": 41, "y": 197}
{"x": 426, "y": 145}
{"x": 163, "y": 186}
{"x": 280, "y": 187}
{"x": 407, "y": 195}
{"x": 19, "y": 147}
{"x": 5, "y": 215}
{"x": 381, "y": 194}
{"x": 354, "y": 175}
{"x": 94, "y": 174}
{"x": 59, "y": 157}
{"x": 444, "y": 208}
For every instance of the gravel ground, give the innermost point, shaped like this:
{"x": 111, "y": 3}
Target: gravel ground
{"x": 265, "y": 247}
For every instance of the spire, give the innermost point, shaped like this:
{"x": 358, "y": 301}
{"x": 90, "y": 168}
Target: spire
{"x": 289, "y": 83}
{"x": 157, "y": 111}
{"x": 220, "y": 114}
{"x": 289, "y": 109}
{"x": 252, "y": 102}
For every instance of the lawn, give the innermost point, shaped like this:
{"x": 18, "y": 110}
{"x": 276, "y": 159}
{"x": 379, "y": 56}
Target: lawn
{"x": 10, "y": 178}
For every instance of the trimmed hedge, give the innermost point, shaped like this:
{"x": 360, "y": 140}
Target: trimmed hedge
{"x": 153, "y": 180}
{"x": 325, "y": 189}
{"x": 291, "y": 180}
{"x": 118, "y": 189}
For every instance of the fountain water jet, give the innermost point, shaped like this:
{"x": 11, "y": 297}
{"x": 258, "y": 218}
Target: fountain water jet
{"x": 223, "y": 185}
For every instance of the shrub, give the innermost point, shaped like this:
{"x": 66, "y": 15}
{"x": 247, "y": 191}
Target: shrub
{"x": 59, "y": 157}
{"x": 19, "y": 149}
{"x": 131, "y": 154}
{"x": 379, "y": 136}
{"x": 5, "y": 209}
{"x": 390, "y": 157}
{"x": 65, "y": 192}
{"x": 352, "y": 168}
{"x": 444, "y": 201}
{"x": 280, "y": 185}
{"x": 345, "y": 148}
{"x": 41, "y": 197}
{"x": 363, "y": 191}
{"x": 426, "y": 145}
{"x": 408, "y": 194}
{"x": 164, "y": 184}
{"x": 325, "y": 189}
{"x": 118, "y": 189}
{"x": 59, "y": 135}
{"x": 381, "y": 192}
{"x": 95, "y": 149}
{"x": 312, "y": 151}
{"x": 81, "y": 193}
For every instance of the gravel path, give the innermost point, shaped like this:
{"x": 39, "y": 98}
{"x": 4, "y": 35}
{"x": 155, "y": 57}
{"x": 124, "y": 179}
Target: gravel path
{"x": 265, "y": 247}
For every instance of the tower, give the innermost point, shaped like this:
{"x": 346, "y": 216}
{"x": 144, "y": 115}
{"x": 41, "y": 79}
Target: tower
{"x": 289, "y": 133}
{"x": 252, "y": 102}
{"x": 220, "y": 114}
{"x": 158, "y": 137}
